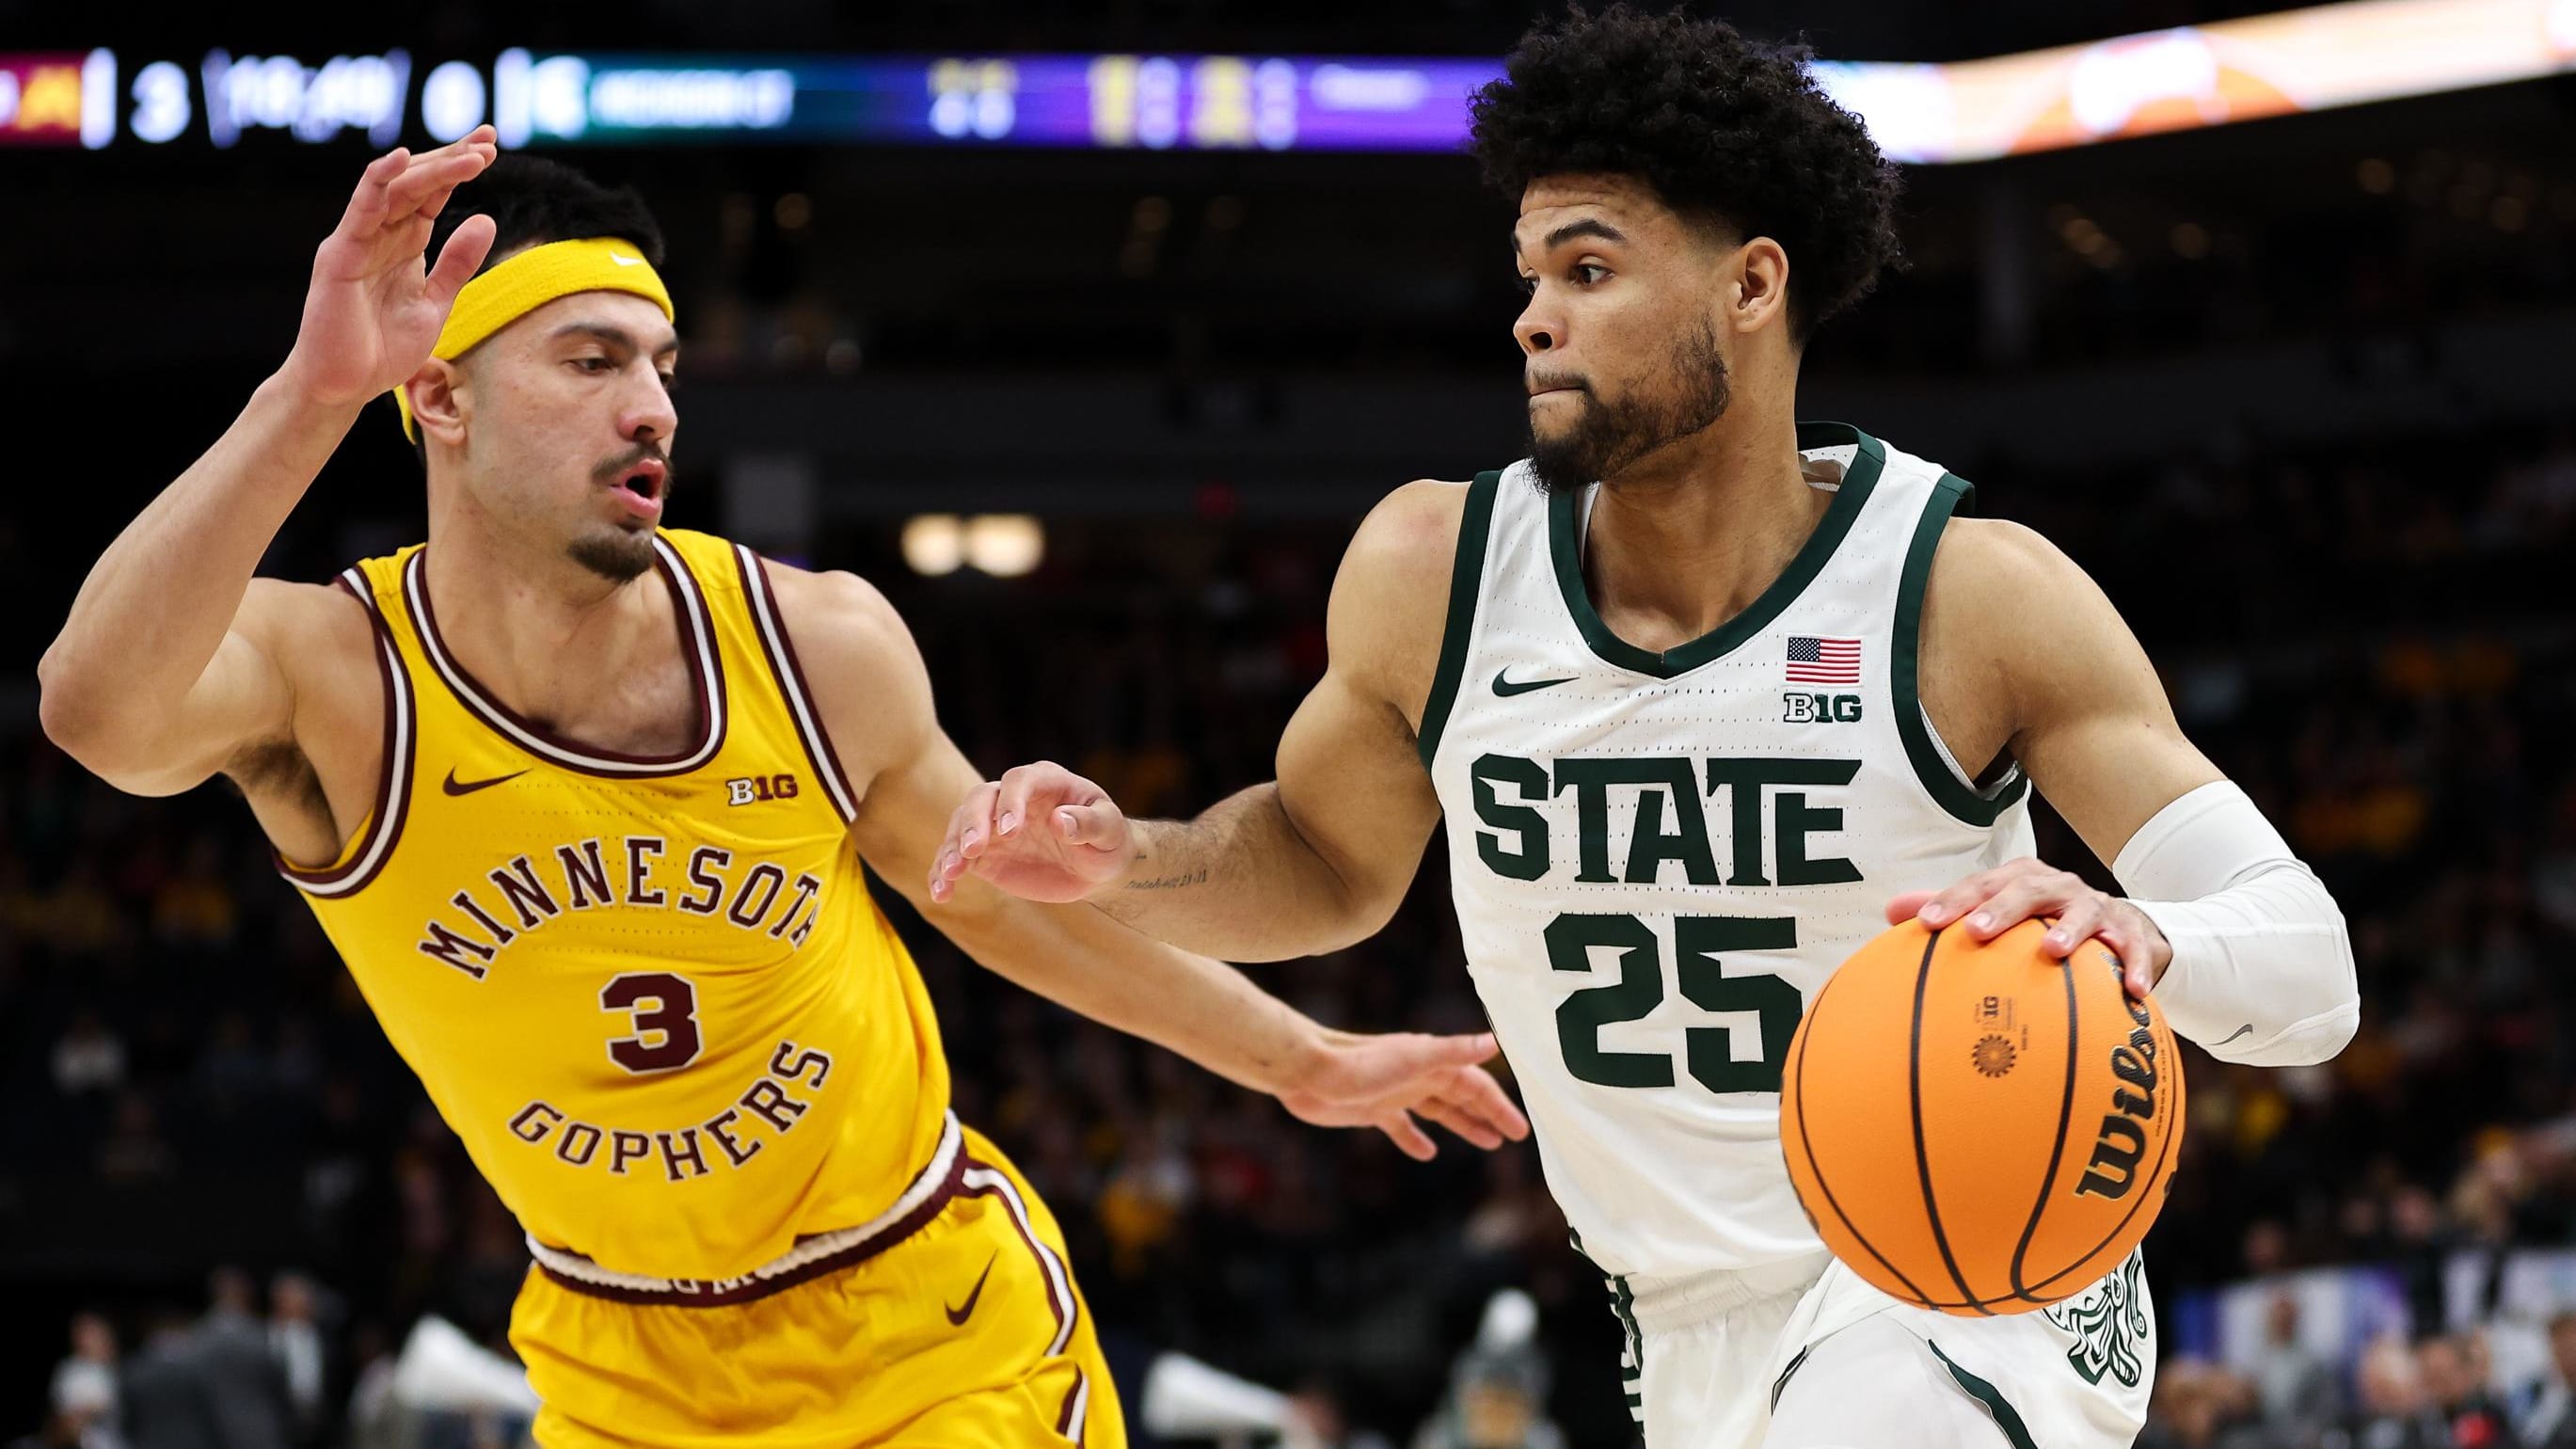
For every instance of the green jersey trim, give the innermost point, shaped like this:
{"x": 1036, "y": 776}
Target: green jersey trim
{"x": 1466, "y": 574}
{"x": 1868, "y": 458}
{"x": 1781, "y": 1383}
{"x": 1632, "y": 1340}
{"x": 1948, "y": 496}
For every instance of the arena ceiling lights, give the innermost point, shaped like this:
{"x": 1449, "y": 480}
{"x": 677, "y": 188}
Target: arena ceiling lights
{"x": 2239, "y": 70}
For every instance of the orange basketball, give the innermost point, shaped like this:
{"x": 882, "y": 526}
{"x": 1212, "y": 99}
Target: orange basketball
{"x": 1980, "y": 1129}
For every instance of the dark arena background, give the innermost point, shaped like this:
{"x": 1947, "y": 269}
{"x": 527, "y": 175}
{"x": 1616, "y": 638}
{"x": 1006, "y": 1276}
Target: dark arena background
{"x": 1089, "y": 331}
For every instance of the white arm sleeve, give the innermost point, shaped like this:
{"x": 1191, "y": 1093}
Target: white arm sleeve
{"x": 2262, "y": 969}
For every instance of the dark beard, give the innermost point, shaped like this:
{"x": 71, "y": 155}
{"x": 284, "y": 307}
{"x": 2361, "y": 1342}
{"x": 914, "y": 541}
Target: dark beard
{"x": 621, "y": 559}
{"x": 1610, "y": 436}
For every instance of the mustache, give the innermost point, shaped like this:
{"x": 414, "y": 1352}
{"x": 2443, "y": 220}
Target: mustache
{"x": 1539, "y": 382}
{"x": 614, "y": 468}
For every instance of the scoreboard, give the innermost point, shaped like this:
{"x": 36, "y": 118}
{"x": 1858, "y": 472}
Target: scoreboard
{"x": 1153, "y": 102}
{"x": 2074, "y": 95}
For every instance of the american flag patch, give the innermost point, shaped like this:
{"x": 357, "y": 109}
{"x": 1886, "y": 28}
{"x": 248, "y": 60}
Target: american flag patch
{"x": 1823, "y": 661}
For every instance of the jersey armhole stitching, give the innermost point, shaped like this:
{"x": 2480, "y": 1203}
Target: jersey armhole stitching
{"x": 1466, "y": 575}
{"x": 1933, "y": 768}
{"x": 1959, "y": 772}
{"x": 769, "y": 621}
{"x": 362, "y": 860}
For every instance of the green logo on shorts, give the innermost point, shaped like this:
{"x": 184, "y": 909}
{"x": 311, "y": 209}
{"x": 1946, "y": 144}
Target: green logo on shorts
{"x": 2109, "y": 1321}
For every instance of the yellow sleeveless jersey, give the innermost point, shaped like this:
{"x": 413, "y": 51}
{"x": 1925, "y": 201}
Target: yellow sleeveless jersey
{"x": 652, "y": 996}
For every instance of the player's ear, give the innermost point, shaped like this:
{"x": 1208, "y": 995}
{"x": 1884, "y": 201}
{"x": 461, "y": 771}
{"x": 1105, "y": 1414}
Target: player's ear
{"x": 437, "y": 410}
{"x": 1758, "y": 292}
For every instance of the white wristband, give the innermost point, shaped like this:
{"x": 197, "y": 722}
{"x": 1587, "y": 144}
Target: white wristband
{"x": 2262, "y": 969}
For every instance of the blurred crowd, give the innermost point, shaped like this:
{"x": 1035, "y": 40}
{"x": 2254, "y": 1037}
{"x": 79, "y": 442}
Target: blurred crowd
{"x": 231, "y": 1376}
{"x": 2378, "y": 256}
{"x": 2374, "y": 642}
{"x": 2435, "y": 1391}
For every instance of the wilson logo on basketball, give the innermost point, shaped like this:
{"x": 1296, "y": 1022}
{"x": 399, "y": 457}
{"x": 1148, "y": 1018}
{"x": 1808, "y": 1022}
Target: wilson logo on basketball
{"x": 2122, "y": 1141}
{"x": 758, "y": 788}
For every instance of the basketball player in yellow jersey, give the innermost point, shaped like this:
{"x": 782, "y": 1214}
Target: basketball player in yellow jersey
{"x": 584, "y": 802}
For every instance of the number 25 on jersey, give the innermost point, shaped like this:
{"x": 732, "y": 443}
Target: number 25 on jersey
{"x": 1713, "y": 1054}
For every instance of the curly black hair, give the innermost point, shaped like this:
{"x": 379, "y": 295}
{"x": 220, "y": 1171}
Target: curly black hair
{"x": 1723, "y": 128}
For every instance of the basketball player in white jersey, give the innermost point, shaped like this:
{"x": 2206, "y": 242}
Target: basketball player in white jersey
{"x": 1709, "y": 697}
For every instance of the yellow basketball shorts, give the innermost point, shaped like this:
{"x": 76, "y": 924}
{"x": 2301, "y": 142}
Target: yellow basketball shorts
{"x": 958, "y": 1327}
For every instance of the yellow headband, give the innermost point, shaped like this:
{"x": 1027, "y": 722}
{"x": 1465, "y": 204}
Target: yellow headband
{"x": 530, "y": 280}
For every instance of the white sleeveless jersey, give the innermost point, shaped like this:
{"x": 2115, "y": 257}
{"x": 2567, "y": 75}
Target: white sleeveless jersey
{"x": 1658, "y": 859}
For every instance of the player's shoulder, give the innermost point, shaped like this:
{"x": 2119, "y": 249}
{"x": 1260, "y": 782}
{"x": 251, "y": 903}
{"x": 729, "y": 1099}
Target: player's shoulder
{"x": 848, "y": 620}
{"x": 1390, "y": 601}
{"x": 1410, "y": 537}
{"x": 858, "y": 659}
{"x": 2000, "y": 549}
{"x": 302, "y": 625}
{"x": 1995, "y": 559}
{"x": 284, "y": 603}
{"x": 2005, "y": 584}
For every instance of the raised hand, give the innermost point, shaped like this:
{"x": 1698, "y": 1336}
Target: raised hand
{"x": 1041, "y": 832}
{"x": 1388, "y": 1081}
{"x": 374, "y": 310}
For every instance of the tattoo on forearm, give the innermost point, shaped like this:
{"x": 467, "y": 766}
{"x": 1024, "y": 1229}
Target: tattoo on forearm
{"x": 1171, "y": 882}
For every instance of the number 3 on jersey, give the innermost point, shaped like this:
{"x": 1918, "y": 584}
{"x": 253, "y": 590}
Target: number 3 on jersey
{"x": 1709, "y": 1051}
{"x": 663, "y": 1011}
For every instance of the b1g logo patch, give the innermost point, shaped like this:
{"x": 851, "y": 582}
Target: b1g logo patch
{"x": 758, "y": 788}
{"x": 1805, "y": 708}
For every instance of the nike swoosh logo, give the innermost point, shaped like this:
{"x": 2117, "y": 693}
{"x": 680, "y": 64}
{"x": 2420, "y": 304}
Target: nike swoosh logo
{"x": 624, "y": 260}
{"x": 2245, "y": 1030}
{"x": 1507, "y": 688}
{"x": 957, "y": 1316}
{"x": 454, "y": 786}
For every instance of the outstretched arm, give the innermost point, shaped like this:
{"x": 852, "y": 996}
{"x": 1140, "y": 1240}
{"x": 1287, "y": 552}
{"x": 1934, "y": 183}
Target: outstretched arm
{"x": 1308, "y": 863}
{"x": 2238, "y": 939}
{"x": 874, "y": 695}
{"x": 174, "y": 657}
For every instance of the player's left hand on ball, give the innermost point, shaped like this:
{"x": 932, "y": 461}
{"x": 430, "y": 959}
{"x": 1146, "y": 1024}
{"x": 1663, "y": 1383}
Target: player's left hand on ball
{"x": 1388, "y": 1081}
{"x": 1991, "y": 902}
